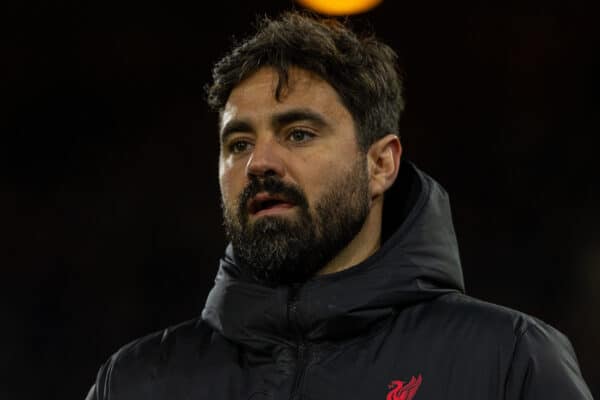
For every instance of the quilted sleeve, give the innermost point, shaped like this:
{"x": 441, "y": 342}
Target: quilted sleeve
{"x": 92, "y": 395}
{"x": 98, "y": 389}
{"x": 545, "y": 366}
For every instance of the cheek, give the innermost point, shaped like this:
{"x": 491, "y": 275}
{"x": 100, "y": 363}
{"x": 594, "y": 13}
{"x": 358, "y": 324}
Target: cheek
{"x": 224, "y": 180}
{"x": 230, "y": 182}
{"x": 226, "y": 189}
{"x": 328, "y": 176}
{"x": 317, "y": 179}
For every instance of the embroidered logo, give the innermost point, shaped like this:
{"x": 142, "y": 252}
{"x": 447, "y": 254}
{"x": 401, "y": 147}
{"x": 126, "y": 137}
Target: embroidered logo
{"x": 400, "y": 391}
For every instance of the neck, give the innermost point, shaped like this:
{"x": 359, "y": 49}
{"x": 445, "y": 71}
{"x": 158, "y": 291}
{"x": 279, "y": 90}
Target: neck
{"x": 364, "y": 244}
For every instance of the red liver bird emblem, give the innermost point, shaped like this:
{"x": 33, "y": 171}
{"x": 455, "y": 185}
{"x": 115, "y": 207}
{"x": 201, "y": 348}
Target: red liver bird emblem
{"x": 400, "y": 391}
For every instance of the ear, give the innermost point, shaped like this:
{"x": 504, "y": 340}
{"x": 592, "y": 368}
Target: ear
{"x": 383, "y": 159}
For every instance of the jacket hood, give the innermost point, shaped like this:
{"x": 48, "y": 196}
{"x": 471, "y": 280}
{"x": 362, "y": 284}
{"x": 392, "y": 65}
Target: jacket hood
{"x": 418, "y": 260}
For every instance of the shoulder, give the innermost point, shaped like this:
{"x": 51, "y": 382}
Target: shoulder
{"x": 144, "y": 360}
{"x": 473, "y": 325}
{"x": 164, "y": 344}
{"x": 496, "y": 319}
{"x": 539, "y": 360}
{"x": 535, "y": 359}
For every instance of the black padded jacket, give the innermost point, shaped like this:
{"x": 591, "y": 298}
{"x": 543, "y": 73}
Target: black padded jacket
{"x": 397, "y": 326}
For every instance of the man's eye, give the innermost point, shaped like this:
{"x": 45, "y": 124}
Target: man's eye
{"x": 299, "y": 135}
{"x": 238, "y": 146}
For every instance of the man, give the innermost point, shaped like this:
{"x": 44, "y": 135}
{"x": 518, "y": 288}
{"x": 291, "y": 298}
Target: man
{"x": 342, "y": 279}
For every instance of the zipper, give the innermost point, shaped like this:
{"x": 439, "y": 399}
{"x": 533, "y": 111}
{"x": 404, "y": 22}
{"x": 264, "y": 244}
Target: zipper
{"x": 303, "y": 347}
{"x": 302, "y": 363}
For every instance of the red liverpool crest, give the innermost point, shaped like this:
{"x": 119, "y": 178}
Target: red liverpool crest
{"x": 400, "y": 391}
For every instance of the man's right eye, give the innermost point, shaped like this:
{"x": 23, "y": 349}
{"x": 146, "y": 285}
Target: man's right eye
{"x": 239, "y": 146}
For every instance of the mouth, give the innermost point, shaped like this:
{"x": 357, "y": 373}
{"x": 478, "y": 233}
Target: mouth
{"x": 266, "y": 203}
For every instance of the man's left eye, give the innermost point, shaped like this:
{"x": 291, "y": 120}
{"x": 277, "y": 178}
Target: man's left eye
{"x": 299, "y": 135}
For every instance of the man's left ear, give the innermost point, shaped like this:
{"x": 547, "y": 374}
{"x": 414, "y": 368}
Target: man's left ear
{"x": 383, "y": 159}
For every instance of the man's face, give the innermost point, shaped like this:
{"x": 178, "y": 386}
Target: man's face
{"x": 294, "y": 183}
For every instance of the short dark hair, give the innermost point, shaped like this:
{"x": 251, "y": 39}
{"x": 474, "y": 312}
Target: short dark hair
{"x": 363, "y": 70}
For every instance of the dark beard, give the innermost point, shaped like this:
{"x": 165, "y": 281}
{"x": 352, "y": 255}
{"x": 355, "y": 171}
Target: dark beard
{"x": 277, "y": 250}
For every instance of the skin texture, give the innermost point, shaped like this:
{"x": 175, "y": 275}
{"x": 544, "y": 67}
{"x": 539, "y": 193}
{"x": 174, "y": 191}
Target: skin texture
{"x": 312, "y": 148}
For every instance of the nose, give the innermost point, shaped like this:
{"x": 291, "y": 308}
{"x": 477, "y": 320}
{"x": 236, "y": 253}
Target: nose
{"x": 266, "y": 159}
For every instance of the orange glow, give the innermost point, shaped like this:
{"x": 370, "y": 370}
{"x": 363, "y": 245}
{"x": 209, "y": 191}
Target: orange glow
{"x": 339, "y": 7}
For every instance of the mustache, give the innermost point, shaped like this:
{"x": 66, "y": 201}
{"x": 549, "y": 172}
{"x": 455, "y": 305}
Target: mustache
{"x": 273, "y": 186}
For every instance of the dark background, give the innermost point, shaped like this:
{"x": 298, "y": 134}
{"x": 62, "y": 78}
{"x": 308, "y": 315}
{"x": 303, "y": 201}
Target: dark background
{"x": 110, "y": 218}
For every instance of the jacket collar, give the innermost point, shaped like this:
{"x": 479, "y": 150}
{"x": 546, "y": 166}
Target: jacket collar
{"x": 418, "y": 260}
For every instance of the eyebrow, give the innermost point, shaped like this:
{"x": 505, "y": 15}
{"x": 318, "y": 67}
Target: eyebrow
{"x": 300, "y": 114}
{"x": 277, "y": 121}
{"x": 235, "y": 125}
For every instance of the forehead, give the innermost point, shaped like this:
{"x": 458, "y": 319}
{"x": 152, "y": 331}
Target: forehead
{"x": 255, "y": 96}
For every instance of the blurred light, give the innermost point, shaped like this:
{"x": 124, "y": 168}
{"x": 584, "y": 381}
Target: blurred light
{"x": 339, "y": 7}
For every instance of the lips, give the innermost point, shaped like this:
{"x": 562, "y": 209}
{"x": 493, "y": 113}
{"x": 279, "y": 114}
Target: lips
{"x": 264, "y": 203}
